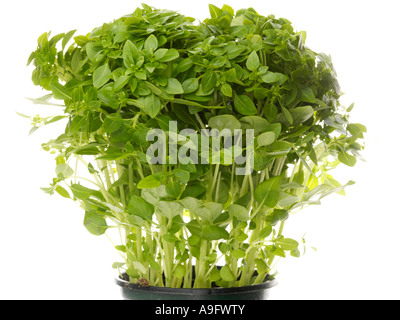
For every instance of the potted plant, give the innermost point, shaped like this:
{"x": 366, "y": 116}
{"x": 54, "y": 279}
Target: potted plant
{"x": 195, "y": 142}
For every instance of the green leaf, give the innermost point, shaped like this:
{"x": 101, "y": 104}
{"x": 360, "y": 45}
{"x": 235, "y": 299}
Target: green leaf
{"x": 215, "y": 12}
{"x": 224, "y": 122}
{"x": 190, "y": 85}
{"x": 287, "y": 116}
{"x": 262, "y": 266}
{"x": 93, "y": 50}
{"x": 150, "y": 182}
{"x": 139, "y": 207}
{"x": 180, "y": 271}
{"x": 267, "y": 193}
{"x": 170, "y": 238}
{"x": 169, "y": 209}
{"x": 64, "y": 171}
{"x": 160, "y": 53}
{"x": 295, "y": 253}
{"x": 301, "y": 114}
{"x": 182, "y": 175}
{"x": 209, "y": 211}
{"x": 227, "y": 274}
{"x": 121, "y": 248}
{"x": 347, "y": 159}
{"x": 241, "y": 213}
{"x": 223, "y": 247}
{"x": 152, "y": 105}
{"x": 215, "y": 275}
{"x": 194, "y": 240}
{"x": 184, "y": 65}
{"x": 174, "y": 87}
{"x": 121, "y": 82}
{"x": 270, "y": 111}
{"x": 101, "y": 76}
{"x": 307, "y": 95}
{"x": 60, "y": 92}
{"x": 195, "y": 190}
{"x": 275, "y": 128}
{"x": 171, "y": 54}
{"x": 67, "y": 38}
{"x": 234, "y": 50}
{"x": 356, "y": 129}
{"x": 270, "y": 77}
{"x": 151, "y": 43}
{"x": 62, "y": 192}
{"x": 194, "y": 227}
{"x": 209, "y": 81}
{"x": 54, "y": 40}
{"x": 55, "y": 119}
{"x": 95, "y": 223}
{"x": 238, "y": 253}
{"x": 274, "y": 78}
{"x": 266, "y": 139}
{"x": 258, "y": 124}
{"x": 78, "y": 124}
{"x": 287, "y": 244}
{"x": 214, "y": 233}
{"x": 253, "y": 61}
{"x": 226, "y": 90}
{"x": 174, "y": 189}
{"x": 245, "y": 106}
{"x": 265, "y": 232}
{"x": 81, "y": 192}
{"x": 117, "y": 265}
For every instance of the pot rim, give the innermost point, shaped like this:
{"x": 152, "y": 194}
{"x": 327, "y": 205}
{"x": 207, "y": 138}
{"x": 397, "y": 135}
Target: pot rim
{"x": 197, "y": 291}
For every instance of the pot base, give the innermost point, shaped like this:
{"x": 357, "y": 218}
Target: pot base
{"x": 132, "y": 291}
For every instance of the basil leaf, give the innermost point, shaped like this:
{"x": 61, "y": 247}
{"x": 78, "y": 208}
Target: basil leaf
{"x": 138, "y": 206}
{"x": 60, "y": 92}
{"x": 253, "y": 61}
{"x": 267, "y": 193}
{"x": 152, "y": 105}
{"x": 151, "y": 43}
{"x": 101, "y": 76}
{"x": 95, "y": 223}
{"x": 174, "y": 87}
{"x": 224, "y": 122}
{"x": 130, "y": 54}
{"x": 244, "y": 105}
{"x": 209, "y": 81}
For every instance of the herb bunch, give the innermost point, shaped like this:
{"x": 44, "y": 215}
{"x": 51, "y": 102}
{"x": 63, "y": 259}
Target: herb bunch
{"x": 194, "y": 225}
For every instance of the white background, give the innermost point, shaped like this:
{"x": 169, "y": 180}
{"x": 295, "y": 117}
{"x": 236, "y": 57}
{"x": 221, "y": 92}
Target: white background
{"x": 45, "y": 252}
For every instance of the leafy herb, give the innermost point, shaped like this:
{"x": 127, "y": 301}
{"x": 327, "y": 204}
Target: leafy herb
{"x": 233, "y": 71}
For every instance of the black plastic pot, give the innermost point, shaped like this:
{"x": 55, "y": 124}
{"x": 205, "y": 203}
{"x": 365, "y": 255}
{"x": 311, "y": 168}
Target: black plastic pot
{"x": 132, "y": 291}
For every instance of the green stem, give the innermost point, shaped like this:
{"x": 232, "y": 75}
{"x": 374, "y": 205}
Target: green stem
{"x": 120, "y": 171}
{"x": 139, "y": 244}
{"x": 281, "y": 228}
{"x": 245, "y": 187}
{"x": 249, "y": 269}
{"x": 260, "y": 278}
{"x": 200, "y": 281}
{"x": 168, "y": 249}
{"x": 213, "y": 183}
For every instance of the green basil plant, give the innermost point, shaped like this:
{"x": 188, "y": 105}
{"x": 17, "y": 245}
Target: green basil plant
{"x": 156, "y": 85}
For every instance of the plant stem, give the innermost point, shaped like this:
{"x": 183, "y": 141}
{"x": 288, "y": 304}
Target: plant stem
{"x": 139, "y": 244}
{"x": 200, "y": 281}
{"x": 252, "y": 256}
{"x": 245, "y": 187}
{"x": 120, "y": 172}
{"x": 213, "y": 183}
